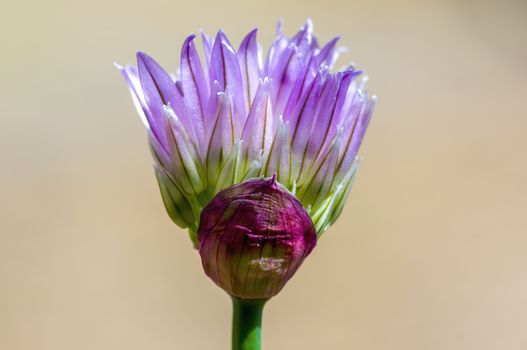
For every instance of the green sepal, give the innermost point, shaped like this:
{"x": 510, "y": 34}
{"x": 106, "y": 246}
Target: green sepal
{"x": 178, "y": 206}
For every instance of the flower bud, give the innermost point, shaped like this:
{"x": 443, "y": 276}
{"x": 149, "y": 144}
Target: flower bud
{"x": 253, "y": 236}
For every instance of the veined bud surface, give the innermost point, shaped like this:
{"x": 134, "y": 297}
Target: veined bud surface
{"x": 253, "y": 236}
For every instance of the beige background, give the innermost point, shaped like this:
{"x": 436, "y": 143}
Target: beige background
{"x": 430, "y": 253}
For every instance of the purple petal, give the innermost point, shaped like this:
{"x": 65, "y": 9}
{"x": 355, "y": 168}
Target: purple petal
{"x": 207, "y": 47}
{"x": 194, "y": 86}
{"x": 347, "y": 93}
{"x": 185, "y": 159}
{"x": 226, "y": 71}
{"x": 160, "y": 90}
{"x": 304, "y": 34}
{"x": 258, "y": 133}
{"x": 305, "y": 40}
{"x": 230, "y": 173}
{"x": 344, "y": 100}
{"x": 323, "y": 119}
{"x": 321, "y": 180}
{"x": 223, "y": 136}
{"x": 289, "y": 68}
{"x": 223, "y": 133}
{"x": 275, "y": 52}
{"x": 132, "y": 79}
{"x": 160, "y": 154}
{"x": 303, "y": 84}
{"x": 327, "y": 55}
{"x": 353, "y": 136}
{"x": 279, "y": 159}
{"x": 302, "y": 123}
{"x": 249, "y": 66}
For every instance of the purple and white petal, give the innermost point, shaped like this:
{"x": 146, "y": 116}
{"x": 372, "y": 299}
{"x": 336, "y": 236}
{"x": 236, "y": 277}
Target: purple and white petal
{"x": 229, "y": 117}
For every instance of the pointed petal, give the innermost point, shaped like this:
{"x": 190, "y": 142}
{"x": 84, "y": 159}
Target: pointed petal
{"x": 328, "y": 55}
{"x": 207, "y": 47}
{"x": 274, "y": 53}
{"x": 194, "y": 87}
{"x": 226, "y": 71}
{"x": 249, "y": 66}
{"x": 301, "y": 125}
{"x": 279, "y": 158}
{"x": 160, "y": 90}
{"x": 336, "y": 210}
{"x": 329, "y": 210}
{"x": 222, "y": 138}
{"x": 344, "y": 99}
{"x": 161, "y": 156}
{"x": 132, "y": 79}
{"x": 284, "y": 76}
{"x": 305, "y": 40}
{"x": 320, "y": 215}
{"x": 185, "y": 158}
{"x": 305, "y": 33}
{"x": 230, "y": 174}
{"x": 302, "y": 85}
{"x": 258, "y": 131}
{"x": 314, "y": 191}
{"x": 353, "y": 136}
{"x": 322, "y": 120}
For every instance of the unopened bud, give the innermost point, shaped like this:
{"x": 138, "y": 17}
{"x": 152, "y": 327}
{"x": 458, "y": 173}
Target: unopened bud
{"x": 253, "y": 236}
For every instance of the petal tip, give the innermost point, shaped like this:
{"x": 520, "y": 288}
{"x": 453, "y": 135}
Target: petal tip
{"x": 188, "y": 41}
{"x": 118, "y": 66}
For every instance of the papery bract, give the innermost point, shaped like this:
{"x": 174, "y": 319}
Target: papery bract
{"x": 253, "y": 236}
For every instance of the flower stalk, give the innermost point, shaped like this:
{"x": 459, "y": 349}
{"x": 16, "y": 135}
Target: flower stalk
{"x": 247, "y": 324}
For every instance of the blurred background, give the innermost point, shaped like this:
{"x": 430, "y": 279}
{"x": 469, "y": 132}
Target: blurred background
{"x": 430, "y": 252}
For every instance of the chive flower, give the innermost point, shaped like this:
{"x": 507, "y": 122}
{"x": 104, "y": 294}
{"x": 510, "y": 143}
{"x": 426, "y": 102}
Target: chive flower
{"x": 254, "y": 154}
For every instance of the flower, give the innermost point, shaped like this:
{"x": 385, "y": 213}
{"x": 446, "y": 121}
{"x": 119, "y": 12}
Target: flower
{"x": 253, "y": 237}
{"x": 237, "y": 117}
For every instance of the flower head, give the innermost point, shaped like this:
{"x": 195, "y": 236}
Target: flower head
{"x": 237, "y": 116}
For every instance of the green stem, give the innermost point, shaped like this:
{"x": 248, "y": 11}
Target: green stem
{"x": 247, "y": 324}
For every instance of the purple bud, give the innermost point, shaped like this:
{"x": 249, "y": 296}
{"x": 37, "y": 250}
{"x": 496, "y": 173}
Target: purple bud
{"x": 253, "y": 236}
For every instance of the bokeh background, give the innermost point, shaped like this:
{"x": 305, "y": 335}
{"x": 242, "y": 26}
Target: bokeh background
{"x": 430, "y": 252}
